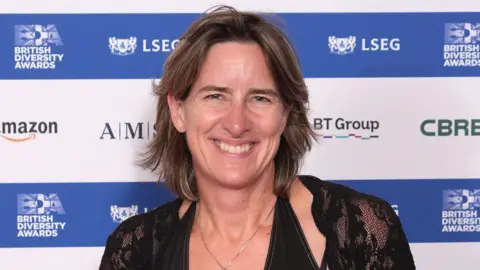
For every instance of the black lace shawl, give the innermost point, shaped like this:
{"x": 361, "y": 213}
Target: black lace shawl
{"x": 362, "y": 231}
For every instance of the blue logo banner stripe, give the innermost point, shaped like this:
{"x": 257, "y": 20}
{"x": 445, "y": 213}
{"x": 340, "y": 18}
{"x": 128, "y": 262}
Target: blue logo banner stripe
{"x": 329, "y": 45}
{"x": 84, "y": 214}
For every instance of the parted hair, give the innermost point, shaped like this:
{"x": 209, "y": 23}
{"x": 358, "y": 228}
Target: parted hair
{"x": 168, "y": 155}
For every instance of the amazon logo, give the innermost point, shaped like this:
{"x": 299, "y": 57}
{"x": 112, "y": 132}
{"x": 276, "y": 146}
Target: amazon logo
{"x": 26, "y": 131}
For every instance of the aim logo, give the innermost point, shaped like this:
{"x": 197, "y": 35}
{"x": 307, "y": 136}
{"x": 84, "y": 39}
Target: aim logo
{"x": 22, "y": 131}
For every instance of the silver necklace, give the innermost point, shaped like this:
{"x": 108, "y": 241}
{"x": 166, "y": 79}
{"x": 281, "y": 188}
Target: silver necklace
{"x": 243, "y": 247}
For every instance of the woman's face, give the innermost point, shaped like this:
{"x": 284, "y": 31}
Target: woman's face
{"x": 233, "y": 117}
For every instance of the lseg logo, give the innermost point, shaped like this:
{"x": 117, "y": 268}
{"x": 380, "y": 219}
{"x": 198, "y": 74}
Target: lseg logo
{"x": 450, "y": 127}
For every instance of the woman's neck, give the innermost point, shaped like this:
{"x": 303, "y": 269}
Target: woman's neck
{"x": 235, "y": 214}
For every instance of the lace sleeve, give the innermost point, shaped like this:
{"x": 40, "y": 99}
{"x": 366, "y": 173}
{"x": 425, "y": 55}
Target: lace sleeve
{"x": 125, "y": 248}
{"x": 381, "y": 237}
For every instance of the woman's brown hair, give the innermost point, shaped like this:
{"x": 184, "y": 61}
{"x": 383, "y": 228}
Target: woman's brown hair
{"x": 168, "y": 154}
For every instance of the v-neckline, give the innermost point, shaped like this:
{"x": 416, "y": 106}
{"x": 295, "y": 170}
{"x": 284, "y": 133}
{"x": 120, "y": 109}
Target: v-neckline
{"x": 190, "y": 218}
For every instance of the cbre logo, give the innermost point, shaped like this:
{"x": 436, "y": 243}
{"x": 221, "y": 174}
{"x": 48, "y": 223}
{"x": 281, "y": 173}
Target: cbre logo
{"x": 22, "y": 131}
{"x": 450, "y": 127}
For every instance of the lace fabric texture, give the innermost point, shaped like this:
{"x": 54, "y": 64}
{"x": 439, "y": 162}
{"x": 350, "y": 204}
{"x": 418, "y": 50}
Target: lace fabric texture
{"x": 363, "y": 232}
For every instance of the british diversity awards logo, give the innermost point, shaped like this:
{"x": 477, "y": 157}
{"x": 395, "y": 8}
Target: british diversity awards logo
{"x": 460, "y": 210}
{"x": 36, "y": 46}
{"x": 462, "y": 45}
{"x": 38, "y": 214}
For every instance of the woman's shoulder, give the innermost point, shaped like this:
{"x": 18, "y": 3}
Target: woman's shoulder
{"x": 341, "y": 196}
{"x": 163, "y": 216}
{"x": 130, "y": 244}
{"x": 340, "y": 201}
{"x": 350, "y": 218}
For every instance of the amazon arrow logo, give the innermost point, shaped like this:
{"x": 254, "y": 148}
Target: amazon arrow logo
{"x": 26, "y": 131}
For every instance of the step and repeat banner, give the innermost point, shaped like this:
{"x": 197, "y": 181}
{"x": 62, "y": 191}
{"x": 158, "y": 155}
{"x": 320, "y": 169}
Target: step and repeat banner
{"x": 395, "y": 95}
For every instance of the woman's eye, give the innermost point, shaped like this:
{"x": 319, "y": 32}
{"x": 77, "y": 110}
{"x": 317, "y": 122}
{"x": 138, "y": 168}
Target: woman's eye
{"x": 214, "y": 96}
{"x": 261, "y": 99}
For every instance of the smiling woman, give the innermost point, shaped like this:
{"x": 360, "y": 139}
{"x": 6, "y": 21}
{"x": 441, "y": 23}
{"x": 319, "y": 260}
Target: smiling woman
{"x": 233, "y": 117}
{"x": 231, "y": 133}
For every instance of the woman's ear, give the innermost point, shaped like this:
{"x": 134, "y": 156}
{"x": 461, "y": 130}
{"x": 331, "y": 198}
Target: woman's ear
{"x": 176, "y": 112}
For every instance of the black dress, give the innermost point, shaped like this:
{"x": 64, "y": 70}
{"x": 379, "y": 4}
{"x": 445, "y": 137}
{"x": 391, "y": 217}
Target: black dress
{"x": 288, "y": 246}
{"x": 362, "y": 232}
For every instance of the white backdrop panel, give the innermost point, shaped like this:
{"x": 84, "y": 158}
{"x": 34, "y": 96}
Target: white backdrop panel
{"x": 194, "y": 6}
{"x": 82, "y": 107}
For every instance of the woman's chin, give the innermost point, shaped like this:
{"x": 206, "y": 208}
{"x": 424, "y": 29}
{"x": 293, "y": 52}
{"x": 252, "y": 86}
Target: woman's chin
{"x": 234, "y": 181}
